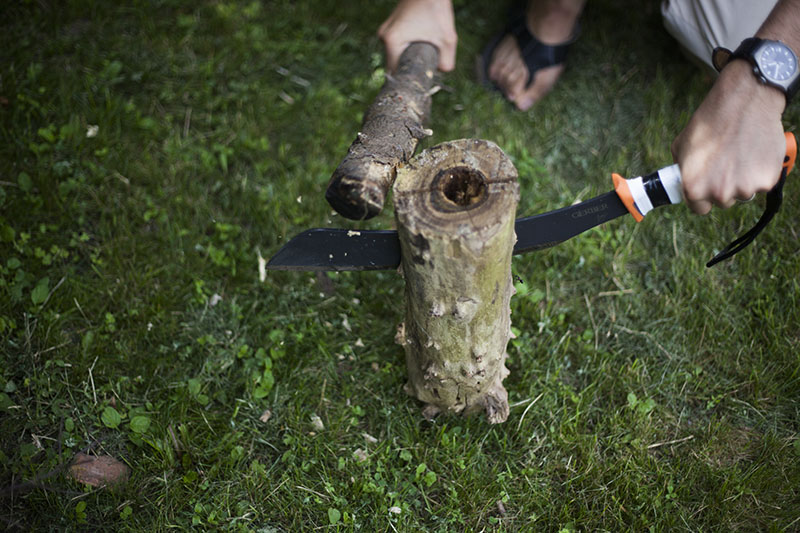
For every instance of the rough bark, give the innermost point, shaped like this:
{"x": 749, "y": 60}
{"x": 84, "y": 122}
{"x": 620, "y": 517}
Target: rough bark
{"x": 455, "y": 205}
{"x": 392, "y": 127}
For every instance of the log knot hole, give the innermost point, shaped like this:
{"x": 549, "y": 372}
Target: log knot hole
{"x": 459, "y": 189}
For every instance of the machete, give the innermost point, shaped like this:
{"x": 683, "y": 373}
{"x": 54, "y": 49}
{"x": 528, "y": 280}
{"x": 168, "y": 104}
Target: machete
{"x": 331, "y": 249}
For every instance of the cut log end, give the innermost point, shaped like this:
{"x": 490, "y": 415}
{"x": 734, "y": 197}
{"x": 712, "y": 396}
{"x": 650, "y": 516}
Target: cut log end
{"x": 357, "y": 198}
{"x": 353, "y": 203}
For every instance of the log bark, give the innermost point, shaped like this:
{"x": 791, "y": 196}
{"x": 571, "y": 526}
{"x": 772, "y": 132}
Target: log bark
{"x": 455, "y": 205}
{"x": 392, "y": 127}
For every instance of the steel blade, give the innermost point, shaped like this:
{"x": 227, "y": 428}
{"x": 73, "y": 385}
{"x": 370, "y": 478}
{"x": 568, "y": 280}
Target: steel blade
{"x": 339, "y": 250}
{"x": 551, "y": 228}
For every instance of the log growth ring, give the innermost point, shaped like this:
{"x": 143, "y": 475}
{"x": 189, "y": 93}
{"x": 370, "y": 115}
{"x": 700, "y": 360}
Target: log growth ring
{"x": 464, "y": 184}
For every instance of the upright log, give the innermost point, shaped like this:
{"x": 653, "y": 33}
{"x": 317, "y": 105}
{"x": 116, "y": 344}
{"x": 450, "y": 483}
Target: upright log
{"x": 455, "y": 205}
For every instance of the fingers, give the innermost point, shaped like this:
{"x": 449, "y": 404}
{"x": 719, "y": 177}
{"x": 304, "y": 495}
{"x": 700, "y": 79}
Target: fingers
{"x": 700, "y": 207}
{"x": 392, "y": 57}
{"x": 725, "y": 187}
{"x": 508, "y": 71}
{"x": 733, "y": 145}
{"x": 420, "y": 20}
{"x": 447, "y": 52}
{"x": 543, "y": 83}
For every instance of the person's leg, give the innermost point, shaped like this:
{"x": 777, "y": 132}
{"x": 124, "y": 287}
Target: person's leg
{"x": 552, "y": 22}
{"x": 702, "y": 25}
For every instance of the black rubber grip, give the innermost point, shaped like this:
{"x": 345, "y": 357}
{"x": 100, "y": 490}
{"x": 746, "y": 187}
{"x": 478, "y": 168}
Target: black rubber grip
{"x": 655, "y": 190}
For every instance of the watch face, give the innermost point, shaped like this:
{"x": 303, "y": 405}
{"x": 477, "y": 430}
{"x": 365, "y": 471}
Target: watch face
{"x": 777, "y": 62}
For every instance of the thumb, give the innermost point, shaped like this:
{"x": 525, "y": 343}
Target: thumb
{"x": 447, "y": 62}
{"x": 447, "y": 54}
{"x": 392, "y": 57}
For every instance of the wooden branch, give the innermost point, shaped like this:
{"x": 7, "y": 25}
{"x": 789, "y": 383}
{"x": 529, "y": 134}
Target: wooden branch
{"x": 392, "y": 128}
{"x": 455, "y": 205}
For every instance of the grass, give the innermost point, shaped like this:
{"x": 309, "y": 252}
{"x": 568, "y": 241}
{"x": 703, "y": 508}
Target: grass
{"x": 648, "y": 393}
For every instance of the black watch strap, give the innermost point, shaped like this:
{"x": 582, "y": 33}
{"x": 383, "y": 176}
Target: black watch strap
{"x": 720, "y": 57}
{"x": 746, "y": 50}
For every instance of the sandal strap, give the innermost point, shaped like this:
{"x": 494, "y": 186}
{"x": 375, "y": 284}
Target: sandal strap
{"x": 535, "y": 53}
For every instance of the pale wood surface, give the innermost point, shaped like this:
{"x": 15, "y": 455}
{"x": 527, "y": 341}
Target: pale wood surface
{"x": 455, "y": 205}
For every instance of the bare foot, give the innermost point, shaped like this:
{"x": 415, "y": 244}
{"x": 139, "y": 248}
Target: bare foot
{"x": 552, "y": 22}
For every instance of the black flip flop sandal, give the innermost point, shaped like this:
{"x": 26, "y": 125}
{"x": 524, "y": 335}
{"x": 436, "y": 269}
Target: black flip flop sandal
{"x": 535, "y": 54}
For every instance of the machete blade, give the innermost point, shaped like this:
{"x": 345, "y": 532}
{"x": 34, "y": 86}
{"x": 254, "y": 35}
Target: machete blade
{"x": 554, "y": 227}
{"x": 339, "y": 250}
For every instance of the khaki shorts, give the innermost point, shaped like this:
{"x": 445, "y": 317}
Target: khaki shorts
{"x": 702, "y": 25}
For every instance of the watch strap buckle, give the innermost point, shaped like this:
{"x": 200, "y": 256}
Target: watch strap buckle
{"x": 720, "y": 57}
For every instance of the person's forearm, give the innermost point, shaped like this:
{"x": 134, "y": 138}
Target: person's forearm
{"x": 783, "y": 24}
{"x": 733, "y": 145}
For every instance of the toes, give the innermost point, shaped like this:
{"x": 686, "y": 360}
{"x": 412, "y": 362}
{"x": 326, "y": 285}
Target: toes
{"x": 510, "y": 73}
{"x": 507, "y": 70}
{"x": 543, "y": 82}
{"x": 503, "y": 55}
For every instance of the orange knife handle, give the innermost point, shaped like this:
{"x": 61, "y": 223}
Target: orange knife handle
{"x": 624, "y": 193}
{"x": 640, "y": 195}
{"x": 791, "y": 151}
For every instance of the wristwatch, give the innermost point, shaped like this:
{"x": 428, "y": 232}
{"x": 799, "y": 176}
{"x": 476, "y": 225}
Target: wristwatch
{"x": 774, "y": 63}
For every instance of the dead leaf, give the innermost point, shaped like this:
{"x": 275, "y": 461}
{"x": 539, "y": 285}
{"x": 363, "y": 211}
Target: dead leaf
{"x": 175, "y": 444}
{"x": 316, "y": 422}
{"x": 98, "y": 471}
{"x": 265, "y": 416}
{"x": 501, "y": 508}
